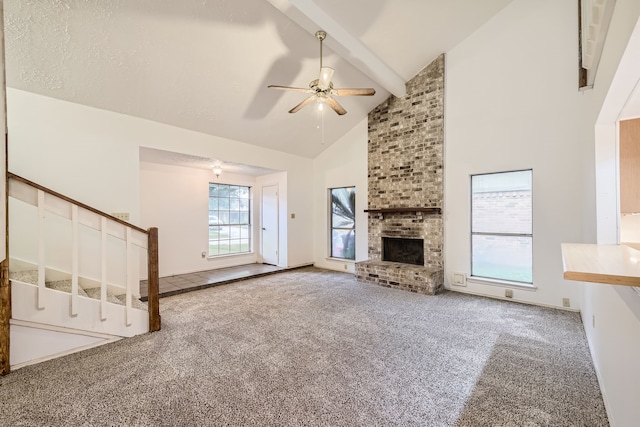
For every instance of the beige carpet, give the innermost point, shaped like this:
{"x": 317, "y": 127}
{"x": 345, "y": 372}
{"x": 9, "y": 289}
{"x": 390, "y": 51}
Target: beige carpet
{"x": 316, "y": 348}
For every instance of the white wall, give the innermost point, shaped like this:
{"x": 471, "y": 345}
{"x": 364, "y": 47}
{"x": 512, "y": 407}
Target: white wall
{"x": 92, "y": 155}
{"x": 343, "y": 164}
{"x": 512, "y": 103}
{"x": 611, "y": 314}
{"x": 33, "y": 345}
{"x": 87, "y": 154}
{"x": 176, "y": 200}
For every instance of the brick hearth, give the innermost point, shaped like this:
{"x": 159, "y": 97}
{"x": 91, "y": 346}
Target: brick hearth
{"x": 414, "y": 278}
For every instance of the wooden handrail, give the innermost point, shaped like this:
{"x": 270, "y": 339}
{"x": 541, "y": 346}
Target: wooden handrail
{"x": 75, "y": 202}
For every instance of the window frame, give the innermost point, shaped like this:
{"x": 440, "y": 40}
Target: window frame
{"x": 332, "y": 228}
{"x": 472, "y": 233}
{"x": 239, "y": 211}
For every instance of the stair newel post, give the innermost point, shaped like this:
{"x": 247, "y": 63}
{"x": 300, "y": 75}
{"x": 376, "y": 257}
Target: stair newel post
{"x": 41, "y": 252}
{"x": 5, "y": 284}
{"x": 153, "y": 275}
{"x": 74, "y": 260}
{"x": 103, "y": 268}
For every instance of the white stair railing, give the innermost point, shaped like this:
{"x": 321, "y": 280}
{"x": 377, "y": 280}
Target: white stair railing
{"x": 135, "y": 240}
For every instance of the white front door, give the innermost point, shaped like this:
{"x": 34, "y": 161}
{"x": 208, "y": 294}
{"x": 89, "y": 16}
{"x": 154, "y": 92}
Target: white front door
{"x": 270, "y": 224}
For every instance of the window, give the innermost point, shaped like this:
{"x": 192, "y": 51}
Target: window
{"x": 229, "y": 219}
{"x": 501, "y": 226}
{"x": 343, "y": 222}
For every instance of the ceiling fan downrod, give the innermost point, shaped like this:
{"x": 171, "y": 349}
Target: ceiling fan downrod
{"x": 321, "y": 35}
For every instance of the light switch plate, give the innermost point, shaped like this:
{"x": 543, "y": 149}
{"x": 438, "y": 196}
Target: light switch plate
{"x": 121, "y": 215}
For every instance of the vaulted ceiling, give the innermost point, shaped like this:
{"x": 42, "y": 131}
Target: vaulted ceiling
{"x": 204, "y": 65}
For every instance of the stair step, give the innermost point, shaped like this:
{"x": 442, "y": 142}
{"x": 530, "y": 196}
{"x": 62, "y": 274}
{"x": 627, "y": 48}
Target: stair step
{"x": 64, "y": 286}
{"x": 119, "y": 299}
{"x": 31, "y": 276}
{"x": 28, "y": 276}
{"x": 135, "y": 302}
{"x": 95, "y": 294}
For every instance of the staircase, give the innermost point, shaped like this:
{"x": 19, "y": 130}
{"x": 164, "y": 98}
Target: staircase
{"x": 75, "y": 274}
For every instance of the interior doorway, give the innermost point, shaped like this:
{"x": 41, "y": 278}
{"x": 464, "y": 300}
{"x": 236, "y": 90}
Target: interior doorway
{"x": 269, "y": 225}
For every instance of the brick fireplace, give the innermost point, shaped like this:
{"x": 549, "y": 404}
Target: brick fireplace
{"x": 406, "y": 138}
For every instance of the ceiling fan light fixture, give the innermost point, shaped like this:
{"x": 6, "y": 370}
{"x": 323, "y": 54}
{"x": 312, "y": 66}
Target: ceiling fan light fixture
{"x": 324, "y": 82}
{"x": 217, "y": 170}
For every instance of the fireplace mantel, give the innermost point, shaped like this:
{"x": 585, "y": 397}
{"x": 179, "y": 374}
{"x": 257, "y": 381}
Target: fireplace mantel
{"x": 435, "y": 211}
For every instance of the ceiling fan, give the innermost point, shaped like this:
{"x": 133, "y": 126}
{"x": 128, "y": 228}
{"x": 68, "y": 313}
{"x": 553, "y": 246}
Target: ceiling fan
{"x": 322, "y": 90}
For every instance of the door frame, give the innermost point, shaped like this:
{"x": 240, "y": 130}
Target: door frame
{"x": 277, "y": 221}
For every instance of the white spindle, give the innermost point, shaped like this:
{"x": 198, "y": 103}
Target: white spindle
{"x": 129, "y": 267}
{"x": 41, "y": 241}
{"x": 103, "y": 269}
{"x": 74, "y": 260}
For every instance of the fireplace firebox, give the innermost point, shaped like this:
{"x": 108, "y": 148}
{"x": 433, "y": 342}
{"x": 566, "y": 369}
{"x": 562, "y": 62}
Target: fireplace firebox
{"x": 408, "y": 251}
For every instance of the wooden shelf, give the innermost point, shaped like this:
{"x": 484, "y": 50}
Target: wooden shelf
{"x": 610, "y": 264}
{"x": 401, "y": 210}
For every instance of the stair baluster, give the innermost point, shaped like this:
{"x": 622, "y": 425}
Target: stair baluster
{"x": 41, "y": 259}
{"x": 103, "y": 268}
{"x": 129, "y": 284}
{"x": 74, "y": 260}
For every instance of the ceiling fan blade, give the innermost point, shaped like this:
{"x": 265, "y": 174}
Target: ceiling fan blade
{"x": 354, "y": 92}
{"x": 326, "y": 73}
{"x": 302, "y": 104}
{"x": 336, "y": 107}
{"x": 295, "y": 89}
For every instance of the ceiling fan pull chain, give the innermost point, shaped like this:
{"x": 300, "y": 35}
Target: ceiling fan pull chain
{"x": 322, "y": 127}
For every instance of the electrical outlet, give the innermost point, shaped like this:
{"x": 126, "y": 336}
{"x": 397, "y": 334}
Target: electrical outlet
{"x": 204, "y": 254}
{"x": 566, "y": 302}
{"x": 345, "y": 266}
{"x": 121, "y": 215}
{"x": 459, "y": 279}
{"x": 508, "y": 293}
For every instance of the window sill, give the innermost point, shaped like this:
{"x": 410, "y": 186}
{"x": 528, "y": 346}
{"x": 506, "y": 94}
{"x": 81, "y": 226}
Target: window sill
{"x": 348, "y": 261}
{"x": 214, "y": 257}
{"x": 502, "y": 283}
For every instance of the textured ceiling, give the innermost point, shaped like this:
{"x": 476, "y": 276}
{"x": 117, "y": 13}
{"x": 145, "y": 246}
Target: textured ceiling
{"x": 205, "y": 65}
{"x": 152, "y": 155}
